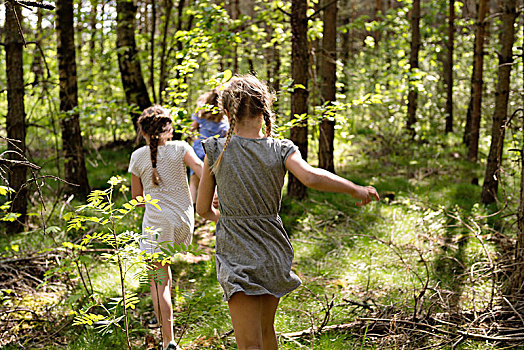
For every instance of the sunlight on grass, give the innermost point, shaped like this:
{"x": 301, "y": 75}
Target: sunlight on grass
{"x": 106, "y": 278}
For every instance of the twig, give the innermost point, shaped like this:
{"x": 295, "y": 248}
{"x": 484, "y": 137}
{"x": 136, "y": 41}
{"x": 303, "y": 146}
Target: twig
{"x": 283, "y": 11}
{"x": 321, "y": 9}
{"x": 514, "y": 310}
{"x": 35, "y": 4}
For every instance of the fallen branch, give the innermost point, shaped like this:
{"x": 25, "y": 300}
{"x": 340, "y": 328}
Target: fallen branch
{"x": 360, "y": 324}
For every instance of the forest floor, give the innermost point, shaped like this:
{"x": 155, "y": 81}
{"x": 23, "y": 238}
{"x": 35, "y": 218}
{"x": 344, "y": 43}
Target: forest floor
{"x": 421, "y": 269}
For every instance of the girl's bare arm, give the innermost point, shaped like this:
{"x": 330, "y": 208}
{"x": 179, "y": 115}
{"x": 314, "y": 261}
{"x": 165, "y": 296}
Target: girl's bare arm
{"x": 323, "y": 180}
{"x": 206, "y": 191}
{"x": 192, "y": 161}
{"x": 137, "y": 189}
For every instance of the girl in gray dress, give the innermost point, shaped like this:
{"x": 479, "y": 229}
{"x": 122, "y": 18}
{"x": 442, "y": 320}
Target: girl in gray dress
{"x": 253, "y": 251}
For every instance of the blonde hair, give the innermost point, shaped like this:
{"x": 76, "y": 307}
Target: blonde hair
{"x": 245, "y": 97}
{"x": 207, "y": 106}
{"x": 156, "y": 123}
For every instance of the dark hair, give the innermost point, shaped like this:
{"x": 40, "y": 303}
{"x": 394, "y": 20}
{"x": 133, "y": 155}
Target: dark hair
{"x": 245, "y": 97}
{"x": 207, "y": 106}
{"x": 156, "y": 123}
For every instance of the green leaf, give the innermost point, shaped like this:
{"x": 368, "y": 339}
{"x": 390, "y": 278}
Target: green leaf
{"x": 4, "y": 190}
{"x": 228, "y": 74}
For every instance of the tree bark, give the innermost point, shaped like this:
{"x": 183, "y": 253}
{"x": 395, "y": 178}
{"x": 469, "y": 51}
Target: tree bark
{"x": 327, "y": 84}
{"x": 449, "y": 67}
{"x": 473, "y": 117}
{"x": 507, "y": 37}
{"x": 37, "y": 66}
{"x": 74, "y": 163}
{"x": 162, "y": 82}
{"x": 152, "y": 50}
{"x": 379, "y": 11}
{"x": 128, "y": 61}
{"x": 413, "y": 65}
{"x": 514, "y": 286}
{"x": 92, "y": 24}
{"x": 299, "y": 96}
{"x": 15, "y": 121}
{"x": 276, "y": 73}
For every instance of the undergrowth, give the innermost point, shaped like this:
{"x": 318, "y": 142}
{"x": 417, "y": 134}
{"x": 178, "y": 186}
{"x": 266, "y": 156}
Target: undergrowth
{"x": 424, "y": 251}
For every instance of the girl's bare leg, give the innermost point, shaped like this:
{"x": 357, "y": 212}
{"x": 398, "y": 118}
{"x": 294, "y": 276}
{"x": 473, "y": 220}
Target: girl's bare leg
{"x": 253, "y": 318}
{"x": 161, "y": 295}
{"x": 268, "y": 309}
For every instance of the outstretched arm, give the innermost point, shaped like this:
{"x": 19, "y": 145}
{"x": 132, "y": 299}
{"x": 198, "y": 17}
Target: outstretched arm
{"x": 206, "y": 191}
{"x": 323, "y": 180}
{"x": 192, "y": 161}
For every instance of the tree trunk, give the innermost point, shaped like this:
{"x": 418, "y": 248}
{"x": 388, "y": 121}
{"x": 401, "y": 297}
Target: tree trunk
{"x": 413, "y": 65}
{"x": 37, "y": 66}
{"x": 299, "y": 96}
{"x": 74, "y": 164}
{"x": 162, "y": 82}
{"x": 15, "y": 121}
{"x": 152, "y": 50}
{"x": 507, "y": 37}
{"x": 514, "y": 287}
{"x": 92, "y": 39}
{"x": 327, "y": 84}
{"x": 379, "y": 11}
{"x": 276, "y": 73}
{"x": 449, "y": 67}
{"x": 472, "y": 129}
{"x": 128, "y": 62}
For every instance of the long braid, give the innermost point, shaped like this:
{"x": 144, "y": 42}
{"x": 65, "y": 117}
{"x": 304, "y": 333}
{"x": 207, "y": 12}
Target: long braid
{"x": 153, "y": 150}
{"x": 156, "y": 122}
{"x": 268, "y": 122}
{"x": 233, "y": 116}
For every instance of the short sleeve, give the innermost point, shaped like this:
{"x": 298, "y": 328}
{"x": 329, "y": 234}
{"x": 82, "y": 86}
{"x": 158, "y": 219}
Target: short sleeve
{"x": 210, "y": 147}
{"x": 185, "y": 147}
{"x": 133, "y": 169}
{"x": 287, "y": 148}
{"x": 195, "y": 117}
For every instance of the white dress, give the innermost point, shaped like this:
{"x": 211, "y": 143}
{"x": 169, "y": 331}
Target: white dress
{"x": 175, "y": 221}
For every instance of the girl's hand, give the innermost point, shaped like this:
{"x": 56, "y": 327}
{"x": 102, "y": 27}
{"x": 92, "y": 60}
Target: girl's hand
{"x": 366, "y": 195}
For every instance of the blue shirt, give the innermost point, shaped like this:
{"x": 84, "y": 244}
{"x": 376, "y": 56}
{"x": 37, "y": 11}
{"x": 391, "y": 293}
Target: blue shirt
{"x": 208, "y": 128}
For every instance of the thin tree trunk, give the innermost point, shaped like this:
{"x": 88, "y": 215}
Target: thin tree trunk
{"x": 276, "y": 73}
{"x": 327, "y": 83}
{"x": 37, "y": 66}
{"x": 163, "y": 75}
{"x": 299, "y": 96}
{"x": 413, "y": 65}
{"x": 92, "y": 39}
{"x": 378, "y": 12}
{"x": 507, "y": 37}
{"x": 449, "y": 67}
{"x": 130, "y": 69}
{"x": 15, "y": 121}
{"x": 74, "y": 163}
{"x": 473, "y": 117}
{"x": 514, "y": 287}
{"x": 152, "y": 50}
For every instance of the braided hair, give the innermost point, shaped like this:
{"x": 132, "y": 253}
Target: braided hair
{"x": 156, "y": 123}
{"x": 245, "y": 97}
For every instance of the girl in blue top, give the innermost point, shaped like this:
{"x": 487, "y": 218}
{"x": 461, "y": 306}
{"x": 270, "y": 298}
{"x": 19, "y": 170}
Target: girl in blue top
{"x": 209, "y": 121}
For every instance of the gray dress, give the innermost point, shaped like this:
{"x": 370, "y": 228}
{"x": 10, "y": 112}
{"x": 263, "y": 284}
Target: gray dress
{"x": 253, "y": 251}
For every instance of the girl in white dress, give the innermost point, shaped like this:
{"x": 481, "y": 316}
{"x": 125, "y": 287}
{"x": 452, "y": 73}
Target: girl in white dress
{"x": 159, "y": 169}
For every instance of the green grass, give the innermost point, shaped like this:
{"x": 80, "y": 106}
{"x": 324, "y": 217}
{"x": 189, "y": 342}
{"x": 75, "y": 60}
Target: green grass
{"x": 379, "y": 256}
